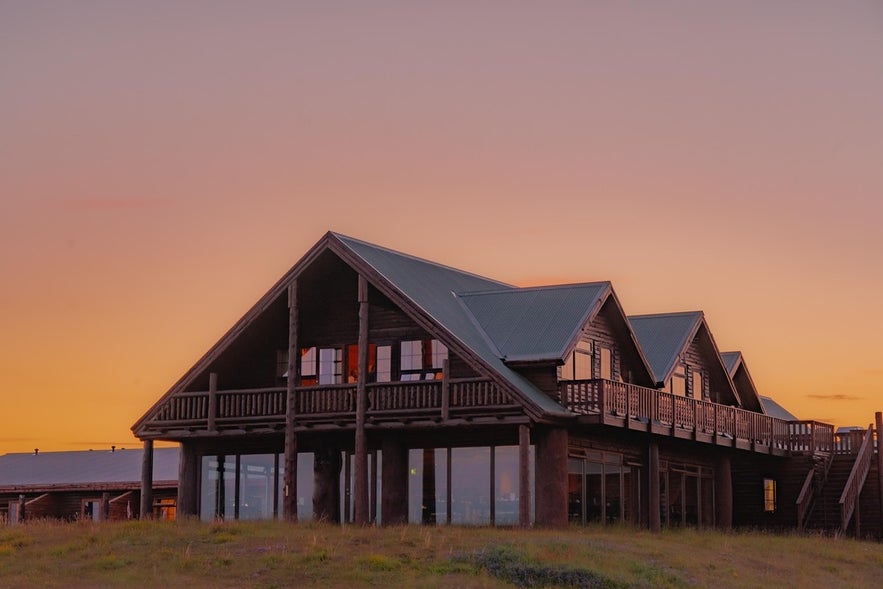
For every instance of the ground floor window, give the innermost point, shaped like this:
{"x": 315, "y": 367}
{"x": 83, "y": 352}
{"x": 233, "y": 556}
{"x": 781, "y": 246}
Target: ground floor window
{"x": 686, "y": 495}
{"x": 769, "y": 495}
{"x": 603, "y": 487}
{"x": 483, "y": 486}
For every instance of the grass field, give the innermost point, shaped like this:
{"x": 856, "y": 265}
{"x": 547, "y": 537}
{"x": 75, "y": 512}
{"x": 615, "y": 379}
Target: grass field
{"x": 273, "y": 554}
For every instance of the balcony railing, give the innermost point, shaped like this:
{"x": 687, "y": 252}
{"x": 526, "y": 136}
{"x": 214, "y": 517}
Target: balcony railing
{"x": 857, "y": 477}
{"x": 435, "y": 399}
{"x": 652, "y": 407}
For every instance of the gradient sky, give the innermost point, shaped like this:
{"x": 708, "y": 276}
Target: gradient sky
{"x": 163, "y": 163}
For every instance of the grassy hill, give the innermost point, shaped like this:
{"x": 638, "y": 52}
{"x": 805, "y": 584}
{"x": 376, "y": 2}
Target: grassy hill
{"x": 273, "y": 554}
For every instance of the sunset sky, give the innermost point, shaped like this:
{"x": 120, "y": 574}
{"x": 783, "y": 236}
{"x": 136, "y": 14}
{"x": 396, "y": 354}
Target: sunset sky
{"x": 163, "y": 163}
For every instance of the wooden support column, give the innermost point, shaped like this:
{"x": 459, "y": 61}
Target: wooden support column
{"x": 188, "y": 483}
{"x": 879, "y": 419}
{"x": 105, "y": 506}
{"x": 449, "y": 495}
{"x": 326, "y": 488}
{"x": 147, "y": 481}
{"x": 361, "y": 446}
{"x": 212, "y": 401}
{"x": 373, "y": 506}
{"x": 723, "y": 492}
{"x": 289, "y": 496}
{"x": 493, "y": 505}
{"x": 523, "y": 476}
{"x": 394, "y": 504}
{"x": 446, "y": 391}
{"x": 22, "y": 509}
{"x": 653, "y": 493}
{"x": 551, "y": 477}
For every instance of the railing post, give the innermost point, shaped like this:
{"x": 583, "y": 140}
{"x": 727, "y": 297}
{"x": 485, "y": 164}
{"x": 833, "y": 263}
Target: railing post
{"x": 147, "y": 481}
{"x": 446, "y": 391}
{"x": 879, "y": 419}
{"x": 212, "y": 400}
{"x": 602, "y": 405}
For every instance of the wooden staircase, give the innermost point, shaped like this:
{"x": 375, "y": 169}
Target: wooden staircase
{"x": 825, "y": 514}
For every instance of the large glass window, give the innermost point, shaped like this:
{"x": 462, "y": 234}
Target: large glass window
{"x": 421, "y": 359}
{"x": 578, "y": 365}
{"x": 769, "y": 495}
{"x": 384, "y": 364}
{"x": 330, "y": 366}
{"x": 606, "y": 362}
{"x": 506, "y": 492}
{"x": 698, "y": 384}
{"x": 258, "y": 498}
{"x": 470, "y": 486}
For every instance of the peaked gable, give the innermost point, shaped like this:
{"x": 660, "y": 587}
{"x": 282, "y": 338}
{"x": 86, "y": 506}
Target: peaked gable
{"x": 738, "y": 371}
{"x": 535, "y": 324}
{"x": 664, "y": 337}
{"x": 423, "y": 289}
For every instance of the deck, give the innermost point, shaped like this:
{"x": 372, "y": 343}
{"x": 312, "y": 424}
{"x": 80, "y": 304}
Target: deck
{"x": 639, "y": 408}
{"x": 478, "y": 400}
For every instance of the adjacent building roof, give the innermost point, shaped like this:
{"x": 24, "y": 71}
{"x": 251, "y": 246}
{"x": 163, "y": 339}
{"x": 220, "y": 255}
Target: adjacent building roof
{"x": 78, "y": 469}
{"x": 741, "y": 377}
{"x": 664, "y": 337}
{"x": 775, "y": 410}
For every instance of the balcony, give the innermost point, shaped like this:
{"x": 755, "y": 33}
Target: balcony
{"x": 651, "y": 410}
{"x": 334, "y": 405}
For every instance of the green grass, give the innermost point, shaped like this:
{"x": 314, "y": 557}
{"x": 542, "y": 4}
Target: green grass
{"x": 272, "y": 554}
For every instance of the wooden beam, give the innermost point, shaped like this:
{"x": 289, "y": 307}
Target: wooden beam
{"x": 551, "y": 477}
{"x": 362, "y": 515}
{"x": 446, "y": 391}
{"x": 493, "y": 505}
{"x": 289, "y": 497}
{"x": 147, "y": 481}
{"x": 653, "y": 491}
{"x": 449, "y": 495}
{"x": 523, "y": 476}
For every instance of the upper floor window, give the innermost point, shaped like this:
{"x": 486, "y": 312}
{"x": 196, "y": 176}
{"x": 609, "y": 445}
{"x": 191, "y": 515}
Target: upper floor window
{"x": 330, "y": 366}
{"x": 698, "y": 384}
{"x": 678, "y": 383}
{"x": 308, "y": 367}
{"x": 578, "y": 365}
{"x": 606, "y": 362}
{"x": 421, "y": 359}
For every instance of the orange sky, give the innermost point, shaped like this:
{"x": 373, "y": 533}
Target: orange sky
{"x": 163, "y": 163}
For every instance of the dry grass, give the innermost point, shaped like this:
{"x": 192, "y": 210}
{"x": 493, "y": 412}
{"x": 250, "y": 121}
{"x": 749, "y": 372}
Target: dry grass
{"x": 272, "y": 554}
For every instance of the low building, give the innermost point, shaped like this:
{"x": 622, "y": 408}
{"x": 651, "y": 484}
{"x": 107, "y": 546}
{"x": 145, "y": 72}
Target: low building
{"x": 92, "y": 484}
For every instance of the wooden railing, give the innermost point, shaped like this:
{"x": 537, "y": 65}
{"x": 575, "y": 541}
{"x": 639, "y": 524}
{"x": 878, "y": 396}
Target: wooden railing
{"x": 857, "y": 477}
{"x": 632, "y": 402}
{"x": 848, "y": 442}
{"x": 804, "y": 500}
{"x": 432, "y": 399}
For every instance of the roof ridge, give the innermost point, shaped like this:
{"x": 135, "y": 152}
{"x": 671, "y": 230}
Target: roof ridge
{"x": 345, "y": 238}
{"x": 517, "y": 289}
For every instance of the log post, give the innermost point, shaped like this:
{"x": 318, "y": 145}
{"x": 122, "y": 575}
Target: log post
{"x": 326, "y": 488}
{"x": 361, "y": 445}
{"x": 289, "y": 497}
{"x": 449, "y": 494}
{"x": 188, "y": 482}
{"x": 394, "y": 504}
{"x": 493, "y": 505}
{"x": 523, "y": 476}
{"x": 147, "y": 481}
{"x": 723, "y": 492}
{"x": 551, "y": 477}
{"x": 22, "y": 514}
{"x": 373, "y": 506}
{"x": 105, "y": 507}
{"x": 212, "y": 401}
{"x": 653, "y": 491}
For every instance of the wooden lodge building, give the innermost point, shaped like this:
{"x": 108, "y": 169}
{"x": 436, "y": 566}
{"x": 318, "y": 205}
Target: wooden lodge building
{"x": 93, "y": 485}
{"x": 370, "y": 386}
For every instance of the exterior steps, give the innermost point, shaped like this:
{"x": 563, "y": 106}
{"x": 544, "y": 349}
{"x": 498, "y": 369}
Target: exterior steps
{"x": 825, "y": 514}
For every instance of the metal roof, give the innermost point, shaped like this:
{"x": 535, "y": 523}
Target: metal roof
{"x": 775, "y": 410}
{"x": 85, "y": 467}
{"x": 433, "y": 288}
{"x": 532, "y": 324}
{"x": 663, "y": 337}
{"x": 731, "y": 360}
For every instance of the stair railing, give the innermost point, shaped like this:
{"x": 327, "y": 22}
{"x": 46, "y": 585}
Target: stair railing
{"x": 805, "y": 498}
{"x": 857, "y": 477}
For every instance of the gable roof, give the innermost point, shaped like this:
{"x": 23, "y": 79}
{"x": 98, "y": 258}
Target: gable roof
{"x": 425, "y": 289}
{"x": 72, "y": 469}
{"x": 432, "y": 288}
{"x": 664, "y": 337}
{"x": 535, "y": 324}
{"x": 731, "y": 361}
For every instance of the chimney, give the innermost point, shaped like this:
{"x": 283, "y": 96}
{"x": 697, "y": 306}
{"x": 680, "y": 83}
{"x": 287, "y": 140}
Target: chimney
{"x": 36, "y": 451}
{"x": 113, "y": 449}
